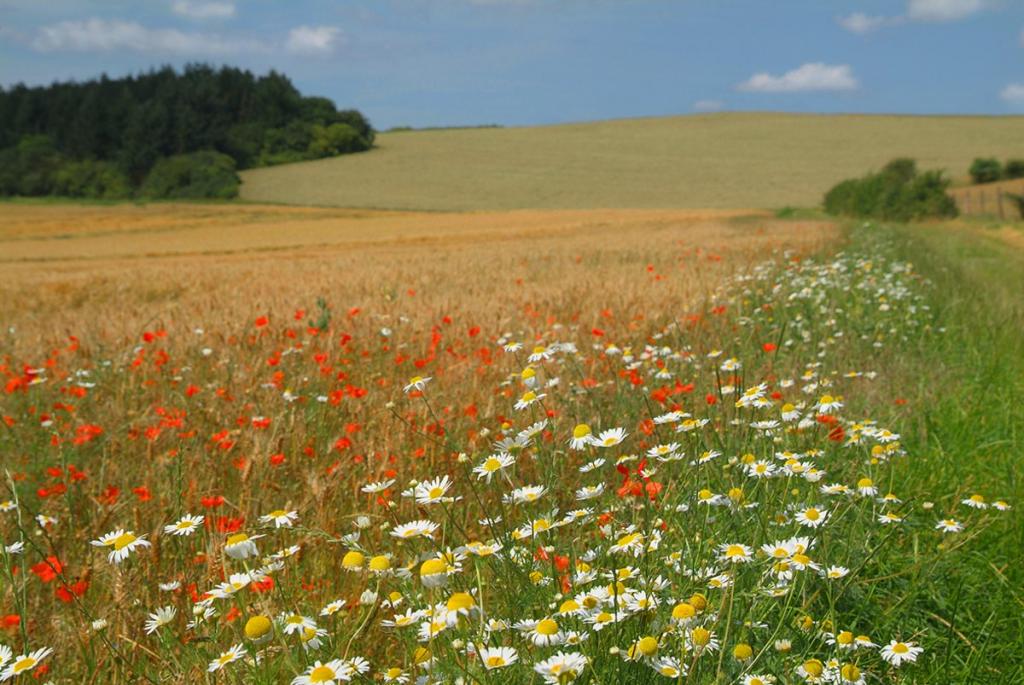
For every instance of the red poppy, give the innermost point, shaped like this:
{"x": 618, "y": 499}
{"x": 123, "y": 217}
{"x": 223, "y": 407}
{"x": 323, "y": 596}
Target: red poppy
{"x": 48, "y": 570}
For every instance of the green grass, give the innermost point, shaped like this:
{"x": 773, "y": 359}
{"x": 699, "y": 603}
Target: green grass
{"x": 964, "y": 418}
{"x": 756, "y": 160}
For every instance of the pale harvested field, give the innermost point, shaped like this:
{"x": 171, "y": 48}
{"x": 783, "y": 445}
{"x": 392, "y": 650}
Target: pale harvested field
{"x": 713, "y": 160}
{"x": 108, "y": 273}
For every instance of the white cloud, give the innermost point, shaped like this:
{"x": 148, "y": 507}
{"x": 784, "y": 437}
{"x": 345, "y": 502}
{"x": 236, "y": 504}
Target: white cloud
{"x": 311, "y": 40}
{"x": 917, "y": 10}
{"x": 708, "y": 105}
{"x": 942, "y": 10}
{"x": 101, "y": 35}
{"x": 204, "y": 10}
{"x": 1013, "y": 93}
{"x": 812, "y": 76}
{"x": 858, "y": 22}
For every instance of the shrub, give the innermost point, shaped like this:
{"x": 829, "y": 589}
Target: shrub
{"x": 335, "y": 139}
{"x": 986, "y": 170}
{"x": 29, "y": 167}
{"x": 91, "y": 178}
{"x": 204, "y": 174}
{"x": 1014, "y": 168}
{"x": 897, "y": 192}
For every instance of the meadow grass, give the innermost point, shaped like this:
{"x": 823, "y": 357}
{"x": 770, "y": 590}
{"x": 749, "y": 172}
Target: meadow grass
{"x": 800, "y": 412}
{"x": 964, "y": 388}
{"x": 730, "y": 160}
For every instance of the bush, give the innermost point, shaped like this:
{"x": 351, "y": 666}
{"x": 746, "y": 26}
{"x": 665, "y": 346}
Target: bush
{"x": 91, "y": 178}
{"x": 897, "y": 193}
{"x": 29, "y": 167}
{"x": 335, "y": 139}
{"x": 198, "y": 175}
{"x": 1014, "y": 168}
{"x": 985, "y": 170}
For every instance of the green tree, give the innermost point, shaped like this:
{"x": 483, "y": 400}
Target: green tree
{"x": 198, "y": 175}
{"x": 986, "y": 170}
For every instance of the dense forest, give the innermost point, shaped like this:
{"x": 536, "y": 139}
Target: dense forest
{"x": 164, "y": 133}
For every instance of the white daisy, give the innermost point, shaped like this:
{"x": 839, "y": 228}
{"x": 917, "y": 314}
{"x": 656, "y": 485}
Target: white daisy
{"x": 122, "y": 543}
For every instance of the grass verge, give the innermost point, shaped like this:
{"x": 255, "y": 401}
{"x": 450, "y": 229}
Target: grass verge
{"x": 963, "y": 390}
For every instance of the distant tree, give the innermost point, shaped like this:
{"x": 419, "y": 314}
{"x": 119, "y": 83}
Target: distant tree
{"x": 133, "y": 122}
{"x": 902, "y": 167}
{"x": 197, "y": 175}
{"x": 91, "y": 178}
{"x": 35, "y": 163}
{"x": 1014, "y": 168}
{"x": 335, "y": 139}
{"x": 897, "y": 192}
{"x": 986, "y": 170}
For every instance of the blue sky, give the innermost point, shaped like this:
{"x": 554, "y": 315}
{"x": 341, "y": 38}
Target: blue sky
{"x": 514, "y": 62}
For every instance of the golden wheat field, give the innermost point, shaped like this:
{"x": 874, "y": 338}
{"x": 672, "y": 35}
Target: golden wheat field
{"x": 113, "y": 271}
{"x": 714, "y": 160}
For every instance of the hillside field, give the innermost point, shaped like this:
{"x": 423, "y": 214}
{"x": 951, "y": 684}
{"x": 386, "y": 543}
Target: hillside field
{"x": 711, "y": 160}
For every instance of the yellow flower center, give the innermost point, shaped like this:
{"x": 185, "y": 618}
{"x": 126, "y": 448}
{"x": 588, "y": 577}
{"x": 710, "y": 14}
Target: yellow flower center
{"x": 380, "y": 563}
{"x": 900, "y": 648}
{"x": 495, "y": 661}
{"x": 700, "y": 636}
{"x": 322, "y": 674}
{"x": 812, "y": 514}
{"x": 813, "y": 668}
{"x": 257, "y": 626}
{"x": 353, "y": 559}
{"x": 648, "y": 646}
{"x": 581, "y": 431}
{"x": 547, "y": 627}
{"x": 432, "y": 567}
{"x": 683, "y": 611}
{"x": 237, "y": 538}
{"x": 460, "y": 600}
{"x": 123, "y": 540}
{"x": 850, "y": 673}
{"x": 627, "y": 540}
{"x": 23, "y": 664}
{"x": 845, "y": 638}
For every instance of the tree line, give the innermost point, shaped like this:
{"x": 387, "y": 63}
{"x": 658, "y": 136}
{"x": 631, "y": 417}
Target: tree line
{"x": 164, "y": 133}
{"x": 899, "y": 192}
